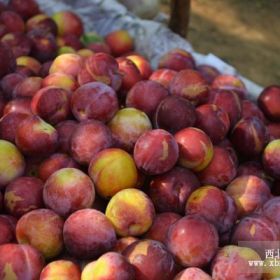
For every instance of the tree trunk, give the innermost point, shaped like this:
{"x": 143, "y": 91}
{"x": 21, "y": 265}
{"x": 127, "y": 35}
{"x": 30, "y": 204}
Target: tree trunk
{"x": 180, "y": 14}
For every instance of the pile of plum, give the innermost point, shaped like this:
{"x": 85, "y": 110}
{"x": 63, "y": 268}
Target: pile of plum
{"x": 112, "y": 170}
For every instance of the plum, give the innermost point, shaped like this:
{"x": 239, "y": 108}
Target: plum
{"x": 42, "y": 229}
{"x": 271, "y": 158}
{"x": 170, "y": 191}
{"x": 8, "y": 61}
{"x": 232, "y": 263}
{"x": 213, "y": 121}
{"x": 52, "y": 104}
{"x": 68, "y": 190}
{"x": 193, "y": 241}
{"x": 110, "y": 266}
{"x": 12, "y": 163}
{"x": 107, "y": 168}
{"x": 156, "y": 152}
{"x": 151, "y": 260}
{"x": 68, "y": 23}
{"x": 35, "y": 137}
{"x": 249, "y": 137}
{"x": 94, "y": 100}
{"x": 174, "y": 113}
{"x": 221, "y": 170}
{"x": 88, "y": 139}
{"x": 62, "y": 269}
{"x": 130, "y": 219}
{"x": 120, "y": 42}
{"x": 249, "y": 193}
{"x": 177, "y": 59}
{"x": 214, "y": 205}
{"x": 88, "y": 234}
{"x": 162, "y": 222}
{"x": 23, "y": 195}
{"x": 195, "y": 148}
{"x": 20, "y": 262}
{"x": 54, "y": 163}
{"x": 190, "y": 85}
{"x": 269, "y": 101}
{"x": 127, "y": 126}
{"x": 145, "y": 96}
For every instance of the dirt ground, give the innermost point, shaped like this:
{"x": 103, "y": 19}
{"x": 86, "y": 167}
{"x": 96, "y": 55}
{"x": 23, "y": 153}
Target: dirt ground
{"x": 244, "y": 33}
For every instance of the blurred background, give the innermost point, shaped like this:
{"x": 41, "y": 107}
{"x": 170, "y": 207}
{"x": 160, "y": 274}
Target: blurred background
{"x": 244, "y": 33}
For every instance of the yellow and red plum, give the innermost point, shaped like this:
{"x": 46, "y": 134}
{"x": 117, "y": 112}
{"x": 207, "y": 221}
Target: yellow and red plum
{"x": 42, "y": 229}
{"x": 60, "y": 80}
{"x": 68, "y": 190}
{"x": 130, "y": 73}
{"x": 191, "y": 85}
{"x": 151, "y": 260}
{"x": 107, "y": 169}
{"x": 68, "y": 23}
{"x": 163, "y": 76}
{"x": 120, "y": 42}
{"x": 128, "y": 125}
{"x": 101, "y": 67}
{"x": 249, "y": 193}
{"x": 19, "y": 262}
{"x": 271, "y": 158}
{"x": 110, "y": 266}
{"x": 142, "y": 64}
{"x": 215, "y": 205}
{"x": 61, "y": 269}
{"x": 69, "y": 64}
{"x": 23, "y": 195}
{"x": 35, "y": 137}
{"x": 195, "y": 148}
{"x": 131, "y": 212}
{"x": 232, "y": 263}
{"x": 12, "y": 163}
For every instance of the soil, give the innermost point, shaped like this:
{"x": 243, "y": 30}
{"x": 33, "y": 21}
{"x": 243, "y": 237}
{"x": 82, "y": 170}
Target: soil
{"x": 244, "y": 33}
